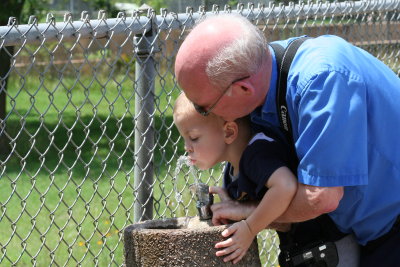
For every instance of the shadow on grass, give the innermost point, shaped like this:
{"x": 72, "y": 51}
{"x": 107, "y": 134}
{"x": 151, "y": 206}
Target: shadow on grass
{"x": 86, "y": 146}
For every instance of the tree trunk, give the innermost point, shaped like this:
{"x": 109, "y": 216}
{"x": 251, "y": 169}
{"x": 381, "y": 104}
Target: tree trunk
{"x": 9, "y": 8}
{"x": 4, "y": 68}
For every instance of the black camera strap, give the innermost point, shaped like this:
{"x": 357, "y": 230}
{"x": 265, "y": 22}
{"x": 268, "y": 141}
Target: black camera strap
{"x": 321, "y": 229}
{"x": 284, "y": 58}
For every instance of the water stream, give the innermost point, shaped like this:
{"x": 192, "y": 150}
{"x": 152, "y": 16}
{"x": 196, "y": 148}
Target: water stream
{"x": 183, "y": 161}
{"x": 200, "y": 190}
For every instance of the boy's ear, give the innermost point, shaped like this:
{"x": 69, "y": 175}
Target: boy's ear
{"x": 230, "y": 131}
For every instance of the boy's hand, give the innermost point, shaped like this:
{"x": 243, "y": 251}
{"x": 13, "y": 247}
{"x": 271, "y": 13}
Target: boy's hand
{"x": 239, "y": 241}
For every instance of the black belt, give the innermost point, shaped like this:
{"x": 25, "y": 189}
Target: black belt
{"x": 373, "y": 244}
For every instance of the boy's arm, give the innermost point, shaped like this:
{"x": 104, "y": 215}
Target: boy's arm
{"x": 282, "y": 187}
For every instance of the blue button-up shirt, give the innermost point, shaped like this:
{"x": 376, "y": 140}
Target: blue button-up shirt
{"x": 344, "y": 105}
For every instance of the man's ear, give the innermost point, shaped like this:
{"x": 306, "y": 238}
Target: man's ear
{"x": 244, "y": 88}
{"x": 230, "y": 131}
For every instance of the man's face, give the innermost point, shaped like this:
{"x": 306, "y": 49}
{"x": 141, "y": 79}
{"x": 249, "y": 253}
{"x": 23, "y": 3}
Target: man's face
{"x": 201, "y": 45}
{"x": 195, "y": 52}
{"x": 224, "y": 103}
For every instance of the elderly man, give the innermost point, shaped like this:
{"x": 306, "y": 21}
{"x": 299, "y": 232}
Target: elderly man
{"x": 344, "y": 109}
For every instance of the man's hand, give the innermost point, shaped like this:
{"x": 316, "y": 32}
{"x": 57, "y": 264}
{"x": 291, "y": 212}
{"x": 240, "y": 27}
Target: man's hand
{"x": 221, "y": 192}
{"x": 229, "y": 210}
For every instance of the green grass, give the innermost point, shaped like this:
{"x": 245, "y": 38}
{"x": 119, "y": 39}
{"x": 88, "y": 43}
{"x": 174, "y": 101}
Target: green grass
{"x": 67, "y": 191}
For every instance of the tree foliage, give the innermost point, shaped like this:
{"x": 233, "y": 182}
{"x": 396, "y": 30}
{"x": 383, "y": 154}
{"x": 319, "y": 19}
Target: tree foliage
{"x": 22, "y": 9}
{"x": 10, "y": 8}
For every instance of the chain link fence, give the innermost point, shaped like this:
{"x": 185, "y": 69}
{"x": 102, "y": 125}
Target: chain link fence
{"x": 87, "y": 141}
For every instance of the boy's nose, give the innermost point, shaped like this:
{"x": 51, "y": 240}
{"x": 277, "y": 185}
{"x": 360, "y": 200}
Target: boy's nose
{"x": 188, "y": 148}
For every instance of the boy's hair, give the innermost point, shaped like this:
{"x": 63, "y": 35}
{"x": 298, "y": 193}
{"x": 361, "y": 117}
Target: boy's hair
{"x": 182, "y": 105}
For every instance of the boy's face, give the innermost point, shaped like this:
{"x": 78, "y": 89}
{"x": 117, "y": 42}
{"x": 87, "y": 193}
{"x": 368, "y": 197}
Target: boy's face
{"x": 204, "y": 139}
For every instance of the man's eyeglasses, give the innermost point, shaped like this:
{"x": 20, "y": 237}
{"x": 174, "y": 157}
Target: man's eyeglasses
{"x": 205, "y": 112}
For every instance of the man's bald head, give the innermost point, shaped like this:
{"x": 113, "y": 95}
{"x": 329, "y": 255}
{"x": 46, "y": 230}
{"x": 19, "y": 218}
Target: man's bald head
{"x": 219, "y": 50}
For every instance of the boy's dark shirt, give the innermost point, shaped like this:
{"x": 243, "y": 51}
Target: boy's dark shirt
{"x": 261, "y": 158}
{"x": 258, "y": 162}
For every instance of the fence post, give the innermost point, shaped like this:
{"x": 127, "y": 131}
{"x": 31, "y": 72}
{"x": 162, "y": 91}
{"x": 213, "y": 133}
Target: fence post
{"x": 144, "y": 120}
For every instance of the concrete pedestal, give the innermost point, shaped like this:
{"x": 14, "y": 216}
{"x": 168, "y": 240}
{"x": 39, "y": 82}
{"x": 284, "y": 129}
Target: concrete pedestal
{"x": 178, "y": 242}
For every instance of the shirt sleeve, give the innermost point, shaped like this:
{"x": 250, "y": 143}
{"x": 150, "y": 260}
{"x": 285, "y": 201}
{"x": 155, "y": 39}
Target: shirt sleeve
{"x": 260, "y": 160}
{"x": 332, "y": 130}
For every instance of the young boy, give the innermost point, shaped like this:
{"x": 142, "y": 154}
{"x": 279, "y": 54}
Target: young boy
{"x": 257, "y": 169}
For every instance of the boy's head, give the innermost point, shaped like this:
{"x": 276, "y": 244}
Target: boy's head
{"x": 206, "y": 138}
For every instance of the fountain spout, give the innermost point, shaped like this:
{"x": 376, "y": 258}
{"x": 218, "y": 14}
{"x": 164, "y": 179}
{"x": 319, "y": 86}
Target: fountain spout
{"x": 204, "y": 200}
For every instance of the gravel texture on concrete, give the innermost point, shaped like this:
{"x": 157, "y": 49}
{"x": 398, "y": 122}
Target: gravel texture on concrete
{"x": 184, "y": 241}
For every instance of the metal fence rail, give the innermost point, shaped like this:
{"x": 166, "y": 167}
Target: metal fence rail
{"x": 87, "y": 142}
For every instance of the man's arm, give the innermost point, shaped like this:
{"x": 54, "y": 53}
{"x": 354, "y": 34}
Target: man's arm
{"x": 311, "y": 202}
{"x": 308, "y": 203}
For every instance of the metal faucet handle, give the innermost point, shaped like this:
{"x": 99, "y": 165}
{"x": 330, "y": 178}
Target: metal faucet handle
{"x": 204, "y": 200}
